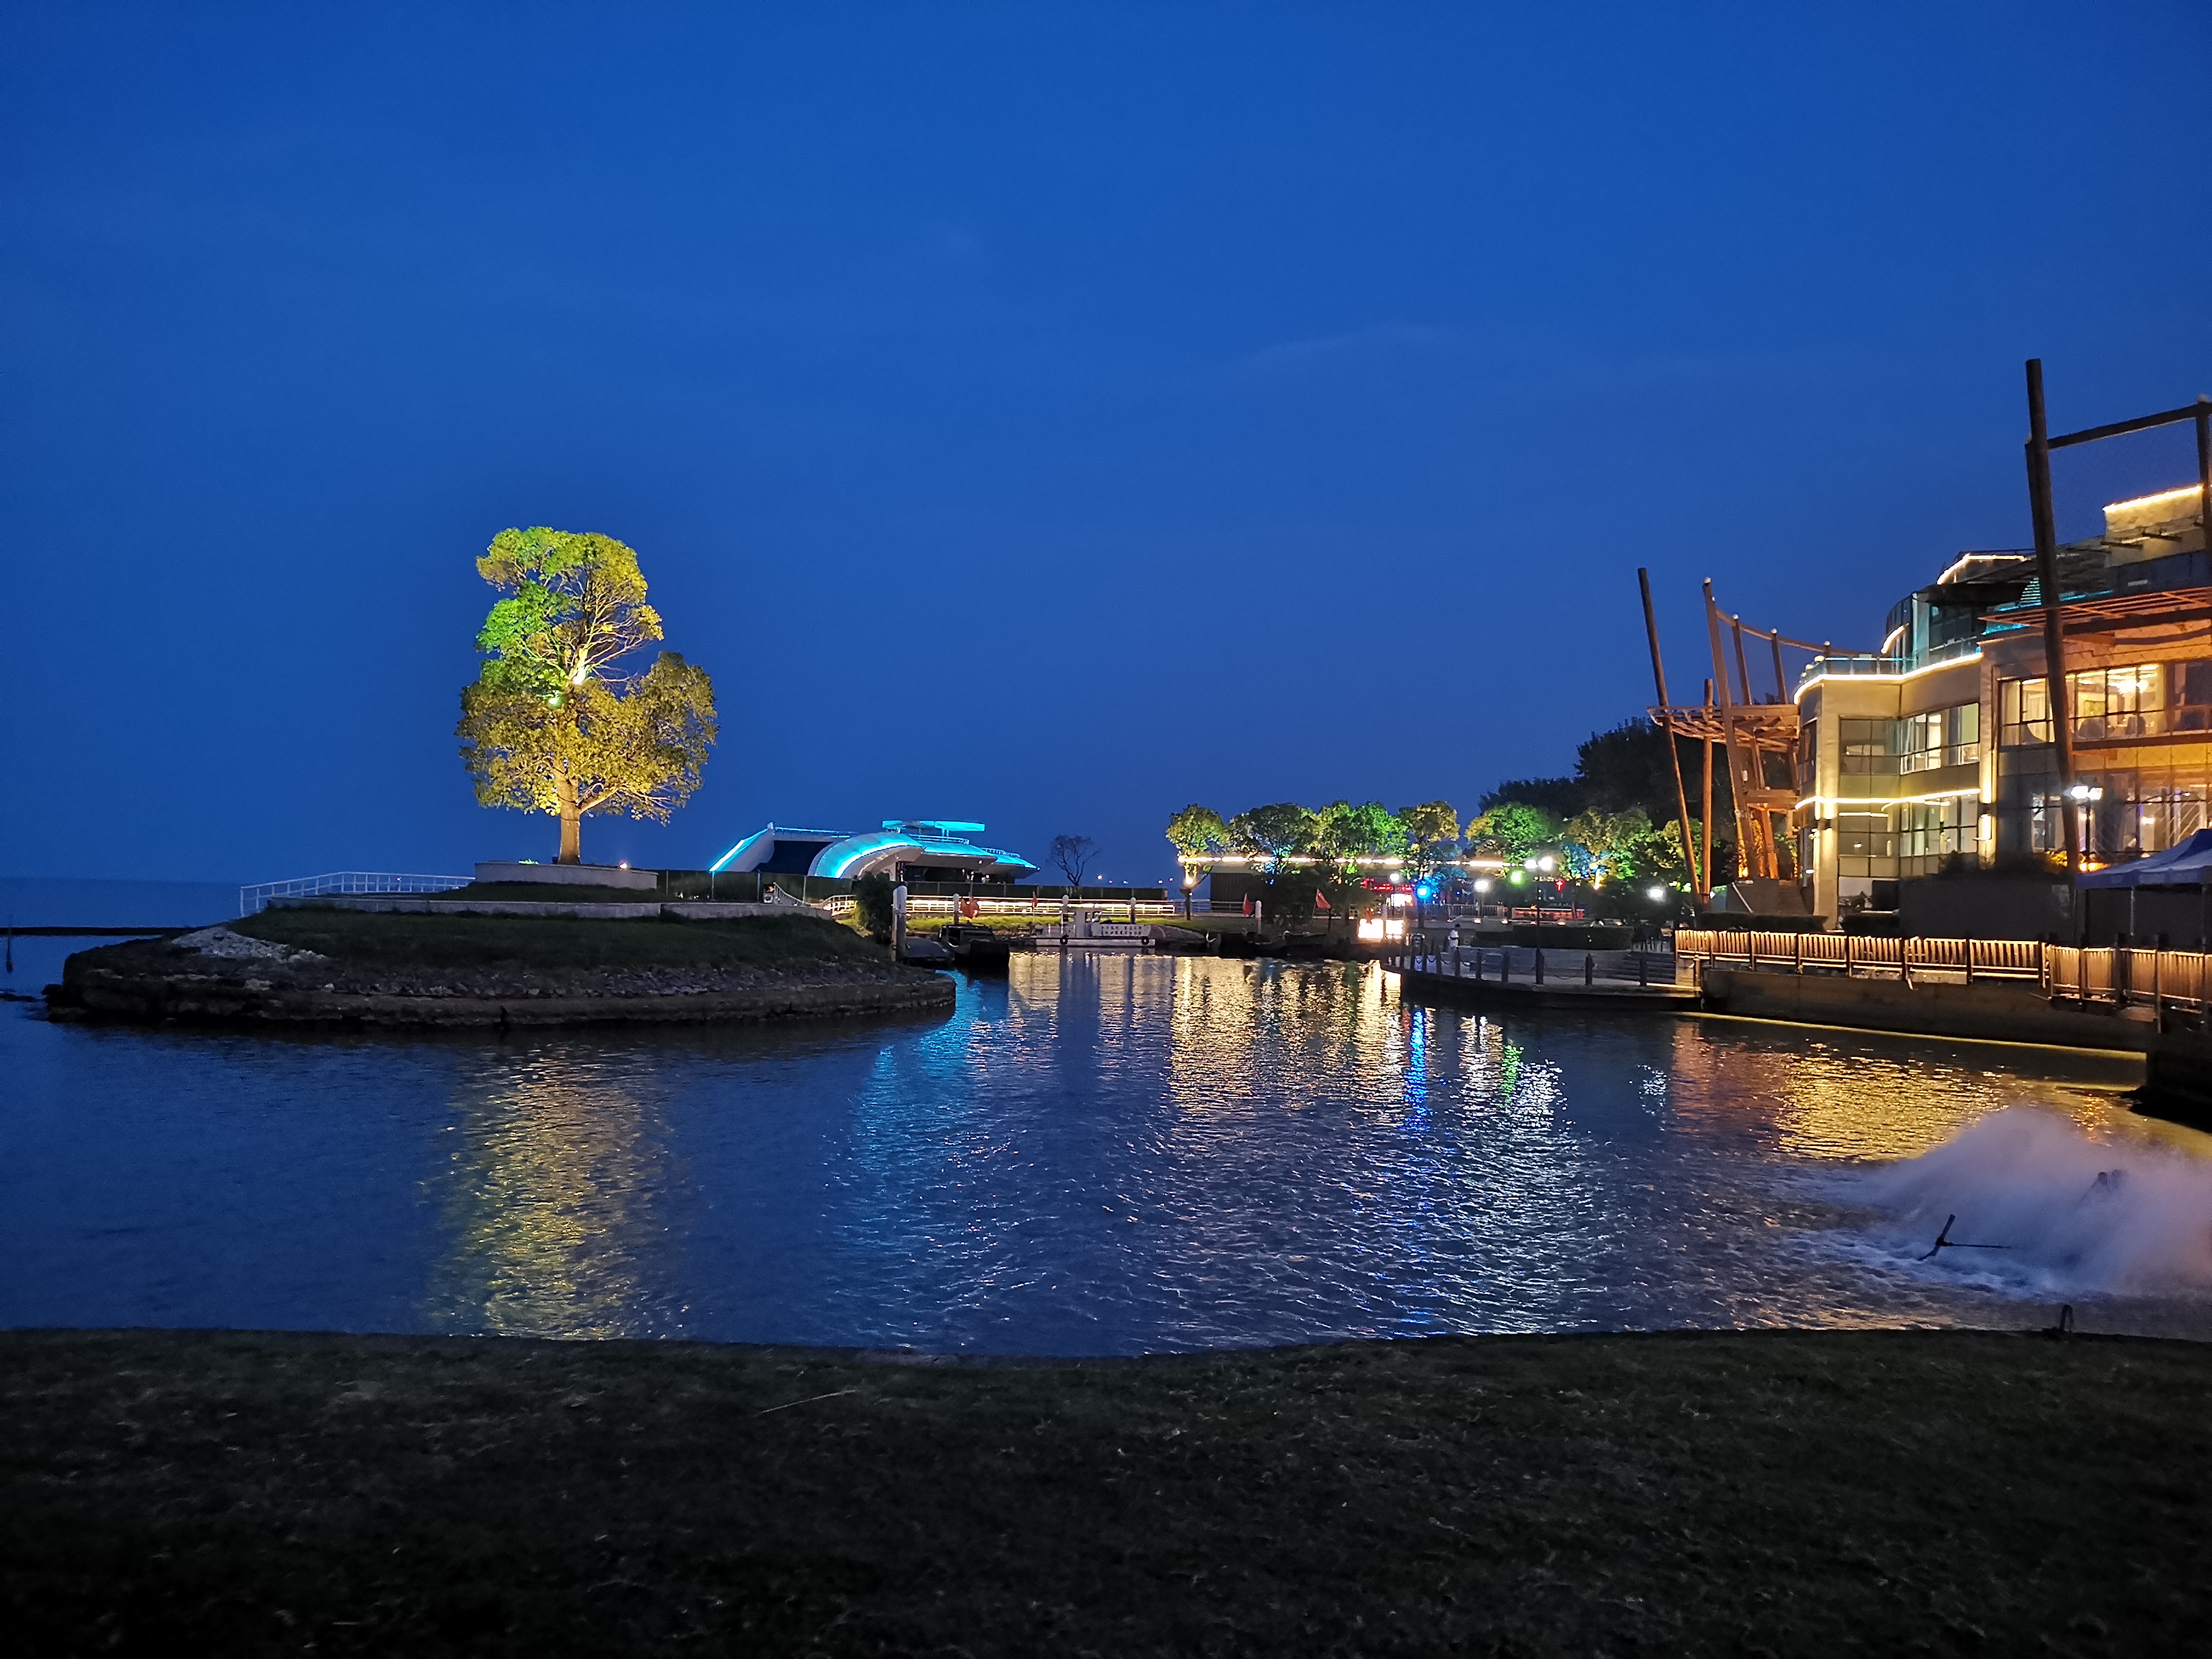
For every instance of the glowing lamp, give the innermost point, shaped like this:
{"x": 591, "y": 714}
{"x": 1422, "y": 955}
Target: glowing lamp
{"x": 1655, "y": 894}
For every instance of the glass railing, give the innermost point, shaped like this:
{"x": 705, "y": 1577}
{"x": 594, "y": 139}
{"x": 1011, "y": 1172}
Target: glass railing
{"x": 1861, "y": 665}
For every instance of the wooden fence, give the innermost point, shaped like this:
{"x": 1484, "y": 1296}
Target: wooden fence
{"x": 1867, "y": 956}
{"x": 2157, "y": 980}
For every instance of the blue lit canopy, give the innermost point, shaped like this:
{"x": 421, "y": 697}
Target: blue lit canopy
{"x": 930, "y": 843}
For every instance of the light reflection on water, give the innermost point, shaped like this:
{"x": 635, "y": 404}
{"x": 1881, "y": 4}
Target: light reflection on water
{"x": 1097, "y": 1155}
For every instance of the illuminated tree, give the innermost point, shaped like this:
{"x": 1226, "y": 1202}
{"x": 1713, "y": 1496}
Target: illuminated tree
{"x": 1272, "y": 835}
{"x": 1346, "y": 834}
{"x": 1198, "y": 834}
{"x": 1512, "y": 830}
{"x": 1431, "y": 834}
{"x": 1601, "y": 847}
{"x": 551, "y": 724}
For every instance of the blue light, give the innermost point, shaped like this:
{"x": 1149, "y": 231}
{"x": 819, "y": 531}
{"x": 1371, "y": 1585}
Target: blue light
{"x": 838, "y": 861}
{"x": 1424, "y": 892}
{"x": 738, "y": 850}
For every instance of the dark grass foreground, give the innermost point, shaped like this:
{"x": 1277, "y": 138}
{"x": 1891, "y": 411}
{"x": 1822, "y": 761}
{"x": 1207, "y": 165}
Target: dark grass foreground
{"x": 1818, "y": 1492}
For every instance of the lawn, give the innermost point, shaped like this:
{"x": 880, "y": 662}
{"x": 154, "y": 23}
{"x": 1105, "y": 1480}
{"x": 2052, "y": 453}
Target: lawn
{"x": 1730, "y": 1493}
{"x": 378, "y": 939}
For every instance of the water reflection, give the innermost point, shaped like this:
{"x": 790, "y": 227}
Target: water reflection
{"x": 560, "y": 1196}
{"x": 1098, "y": 1154}
{"x": 1828, "y": 1096}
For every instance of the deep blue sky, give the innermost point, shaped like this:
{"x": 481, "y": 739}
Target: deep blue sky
{"x": 1043, "y": 415}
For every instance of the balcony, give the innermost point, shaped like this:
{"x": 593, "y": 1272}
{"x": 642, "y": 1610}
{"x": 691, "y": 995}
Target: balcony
{"x": 1862, "y": 666}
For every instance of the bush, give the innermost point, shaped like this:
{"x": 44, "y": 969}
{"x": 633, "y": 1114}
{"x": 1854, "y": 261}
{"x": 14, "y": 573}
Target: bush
{"x": 871, "y": 902}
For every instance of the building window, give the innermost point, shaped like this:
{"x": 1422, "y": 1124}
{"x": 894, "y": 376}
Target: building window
{"x": 1928, "y": 832}
{"x": 1808, "y": 760}
{"x": 2023, "y": 712}
{"x": 1942, "y": 737}
{"x": 2118, "y": 703}
{"x": 2135, "y": 700}
{"x": 2126, "y": 813}
{"x": 1865, "y": 747}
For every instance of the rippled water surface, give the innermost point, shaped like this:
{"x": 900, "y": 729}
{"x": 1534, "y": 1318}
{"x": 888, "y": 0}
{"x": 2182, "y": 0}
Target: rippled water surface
{"x": 1098, "y": 1156}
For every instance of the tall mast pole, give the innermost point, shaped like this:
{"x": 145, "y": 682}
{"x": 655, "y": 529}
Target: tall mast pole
{"x": 1707, "y": 835}
{"x": 2054, "y": 632}
{"x": 1674, "y": 753}
{"x": 1739, "y": 777}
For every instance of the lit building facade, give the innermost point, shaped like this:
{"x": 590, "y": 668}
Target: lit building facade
{"x": 1940, "y": 746}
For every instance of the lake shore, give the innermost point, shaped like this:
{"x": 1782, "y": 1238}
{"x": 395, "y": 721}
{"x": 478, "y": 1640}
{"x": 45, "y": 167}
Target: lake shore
{"x": 331, "y": 966}
{"x": 1878, "y": 1491}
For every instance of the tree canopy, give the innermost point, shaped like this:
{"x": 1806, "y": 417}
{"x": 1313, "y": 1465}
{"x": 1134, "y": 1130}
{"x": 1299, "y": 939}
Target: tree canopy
{"x": 1345, "y": 832}
{"x": 1512, "y": 830}
{"x": 1431, "y": 833}
{"x": 1199, "y": 834}
{"x": 551, "y": 724}
{"x": 1272, "y": 835}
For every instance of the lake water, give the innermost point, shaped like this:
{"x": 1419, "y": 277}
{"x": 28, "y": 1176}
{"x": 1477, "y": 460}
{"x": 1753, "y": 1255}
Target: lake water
{"x": 1104, "y": 1156}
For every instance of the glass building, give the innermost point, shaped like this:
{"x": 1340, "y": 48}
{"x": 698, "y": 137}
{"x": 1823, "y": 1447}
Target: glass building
{"x": 1939, "y": 746}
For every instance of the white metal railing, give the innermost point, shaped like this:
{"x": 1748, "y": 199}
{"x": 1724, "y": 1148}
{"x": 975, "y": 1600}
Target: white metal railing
{"x": 256, "y": 897}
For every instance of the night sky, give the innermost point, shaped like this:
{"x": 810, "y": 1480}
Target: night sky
{"x": 1037, "y": 414}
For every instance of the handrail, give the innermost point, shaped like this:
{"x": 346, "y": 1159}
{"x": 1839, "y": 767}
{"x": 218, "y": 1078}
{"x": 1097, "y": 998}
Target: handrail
{"x": 255, "y": 898}
{"x": 2117, "y": 976}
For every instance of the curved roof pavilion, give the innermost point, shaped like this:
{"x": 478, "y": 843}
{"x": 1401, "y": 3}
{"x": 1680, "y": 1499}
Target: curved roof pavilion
{"x": 935, "y": 845}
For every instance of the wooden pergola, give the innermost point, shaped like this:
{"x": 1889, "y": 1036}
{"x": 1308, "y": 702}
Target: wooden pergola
{"x": 1751, "y": 729}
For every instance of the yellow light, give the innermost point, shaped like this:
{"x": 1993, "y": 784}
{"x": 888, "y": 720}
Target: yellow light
{"x": 2174, "y": 494}
{"x": 1888, "y": 679}
{"x": 1831, "y": 801}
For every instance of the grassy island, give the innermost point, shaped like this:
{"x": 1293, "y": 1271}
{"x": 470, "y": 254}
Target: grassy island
{"x": 322, "y": 964}
{"x": 1802, "y": 1492}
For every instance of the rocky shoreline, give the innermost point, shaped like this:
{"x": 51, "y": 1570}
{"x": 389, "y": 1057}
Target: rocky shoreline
{"x": 218, "y": 976}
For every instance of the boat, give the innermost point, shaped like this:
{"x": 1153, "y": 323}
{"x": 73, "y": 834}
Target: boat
{"x": 978, "y": 950}
{"x": 924, "y": 953}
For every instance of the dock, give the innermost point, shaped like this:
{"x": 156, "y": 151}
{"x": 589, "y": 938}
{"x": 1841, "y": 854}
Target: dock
{"x": 1521, "y": 976}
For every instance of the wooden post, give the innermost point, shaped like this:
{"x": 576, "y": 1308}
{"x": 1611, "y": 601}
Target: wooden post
{"x": 1744, "y": 849}
{"x": 1706, "y": 827}
{"x": 1698, "y": 880}
{"x": 2054, "y": 629}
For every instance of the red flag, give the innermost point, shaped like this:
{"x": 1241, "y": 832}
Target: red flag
{"x": 1321, "y": 899}
{"x": 1248, "y": 904}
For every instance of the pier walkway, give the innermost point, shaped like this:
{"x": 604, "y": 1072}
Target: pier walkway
{"x": 1544, "y": 976}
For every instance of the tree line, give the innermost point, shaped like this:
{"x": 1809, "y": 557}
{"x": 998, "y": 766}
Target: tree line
{"x": 1615, "y": 819}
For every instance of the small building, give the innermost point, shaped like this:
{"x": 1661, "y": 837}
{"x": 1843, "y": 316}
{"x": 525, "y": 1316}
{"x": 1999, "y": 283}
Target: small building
{"x": 906, "y": 849}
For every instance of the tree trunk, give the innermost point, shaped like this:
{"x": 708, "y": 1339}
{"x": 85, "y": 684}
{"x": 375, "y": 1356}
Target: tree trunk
{"x": 572, "y": 823}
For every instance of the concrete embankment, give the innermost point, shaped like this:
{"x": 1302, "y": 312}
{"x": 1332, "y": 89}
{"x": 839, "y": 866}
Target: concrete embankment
{"x": 109, "y": 994}
{"x": 2001, "y": 1013}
